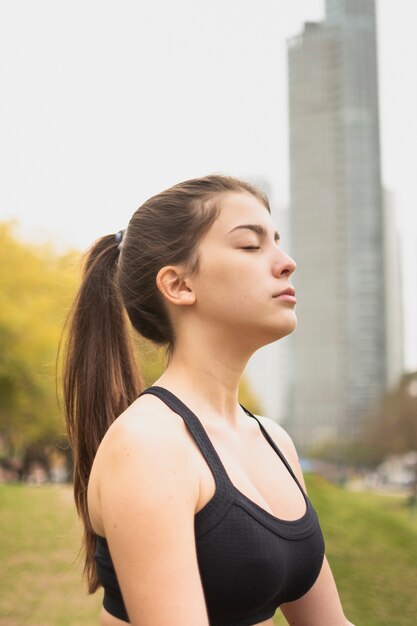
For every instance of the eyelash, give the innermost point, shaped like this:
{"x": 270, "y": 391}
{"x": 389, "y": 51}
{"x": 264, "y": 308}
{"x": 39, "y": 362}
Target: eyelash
{"x": 251, "y": 248}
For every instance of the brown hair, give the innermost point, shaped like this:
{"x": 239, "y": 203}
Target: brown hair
{"x": 100, "y": 376}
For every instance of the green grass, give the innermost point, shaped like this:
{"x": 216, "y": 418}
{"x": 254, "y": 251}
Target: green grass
{"x": 39, "y": 541}
{"x": 371, "y": 544}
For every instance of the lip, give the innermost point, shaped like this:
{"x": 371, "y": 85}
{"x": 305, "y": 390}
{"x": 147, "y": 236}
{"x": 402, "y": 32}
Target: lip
{"x": 290, "y": 291}
{"x": 286, "y": 297}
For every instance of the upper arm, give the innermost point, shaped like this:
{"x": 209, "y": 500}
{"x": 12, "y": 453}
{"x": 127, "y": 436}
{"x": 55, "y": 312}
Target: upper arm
{"x": 148, "y": 504}
{"x": 321, "y": 605}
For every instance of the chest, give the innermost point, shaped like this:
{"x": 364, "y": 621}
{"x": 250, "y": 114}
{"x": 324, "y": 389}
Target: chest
{"x": 256, "y": 470}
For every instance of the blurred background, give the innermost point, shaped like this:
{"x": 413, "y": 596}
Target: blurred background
{"x": 104, "y": 104}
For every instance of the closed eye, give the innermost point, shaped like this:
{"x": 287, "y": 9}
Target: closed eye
{"x": 251, "y": 248}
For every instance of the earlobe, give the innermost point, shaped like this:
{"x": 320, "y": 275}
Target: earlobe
{"x": 174, "y": 287}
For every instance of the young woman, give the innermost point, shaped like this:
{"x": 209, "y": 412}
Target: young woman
{"x": 195, "y": 511}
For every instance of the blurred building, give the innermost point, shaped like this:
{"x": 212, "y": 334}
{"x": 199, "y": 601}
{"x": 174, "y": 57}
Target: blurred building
{"x": 337, "y": 224}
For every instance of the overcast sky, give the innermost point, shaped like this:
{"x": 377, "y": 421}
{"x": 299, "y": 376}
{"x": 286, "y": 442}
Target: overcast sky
{"x": 104, "y": 103}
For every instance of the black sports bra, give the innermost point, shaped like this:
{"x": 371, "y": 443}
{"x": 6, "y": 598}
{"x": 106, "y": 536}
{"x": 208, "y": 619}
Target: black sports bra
{"x": 250, "y": 561}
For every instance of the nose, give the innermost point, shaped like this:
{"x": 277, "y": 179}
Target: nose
{"x": 283, "y": 264}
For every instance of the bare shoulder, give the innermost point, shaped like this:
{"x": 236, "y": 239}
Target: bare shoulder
{"x": 147, "y": 419}
{"x": 145, "y": 445}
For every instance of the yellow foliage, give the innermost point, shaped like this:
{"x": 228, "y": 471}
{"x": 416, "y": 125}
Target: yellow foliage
{"x": 36, "y": 288}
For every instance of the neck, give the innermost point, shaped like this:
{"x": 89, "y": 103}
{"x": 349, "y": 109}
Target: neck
{"x": 205, "y": 372}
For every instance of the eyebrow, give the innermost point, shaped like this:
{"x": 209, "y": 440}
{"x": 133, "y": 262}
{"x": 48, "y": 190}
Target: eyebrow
{"x": 257, "y": 228}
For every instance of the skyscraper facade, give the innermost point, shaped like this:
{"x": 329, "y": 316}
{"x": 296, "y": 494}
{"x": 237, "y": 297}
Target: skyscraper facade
{"x": 337, "y": 224}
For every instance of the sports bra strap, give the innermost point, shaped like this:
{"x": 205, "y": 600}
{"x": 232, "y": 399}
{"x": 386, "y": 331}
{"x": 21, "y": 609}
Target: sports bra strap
{"x": 197, "y": 430}
{"x": 275, "y": 447}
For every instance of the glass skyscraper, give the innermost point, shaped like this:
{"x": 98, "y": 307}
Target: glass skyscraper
{"x": 337, "y": 224}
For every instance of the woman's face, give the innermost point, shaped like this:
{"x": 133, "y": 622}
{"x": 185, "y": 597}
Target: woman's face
{"x": 240, "y": 272}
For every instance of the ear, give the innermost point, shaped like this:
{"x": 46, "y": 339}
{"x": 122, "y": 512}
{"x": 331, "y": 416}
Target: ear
{"x": 174, "y": 286}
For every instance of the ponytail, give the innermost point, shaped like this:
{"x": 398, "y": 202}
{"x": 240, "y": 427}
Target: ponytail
{"x": 100, "y": 376}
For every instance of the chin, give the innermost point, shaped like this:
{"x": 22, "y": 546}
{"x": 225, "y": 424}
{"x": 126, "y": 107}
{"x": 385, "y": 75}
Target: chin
{"x": 270, "y": 335}
{"x": 285, "y": 328}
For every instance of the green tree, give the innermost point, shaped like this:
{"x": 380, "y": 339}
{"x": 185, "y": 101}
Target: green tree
{"x": 392, "y": 428}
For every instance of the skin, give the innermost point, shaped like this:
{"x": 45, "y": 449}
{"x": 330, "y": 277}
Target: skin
{"x": 149, "y": 475}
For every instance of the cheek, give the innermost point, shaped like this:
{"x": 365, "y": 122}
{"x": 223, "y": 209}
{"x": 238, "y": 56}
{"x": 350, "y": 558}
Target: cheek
{"x": 229, "y": 295}
{"x": 230, "y": 284}
{"x": 229, "y": 281}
